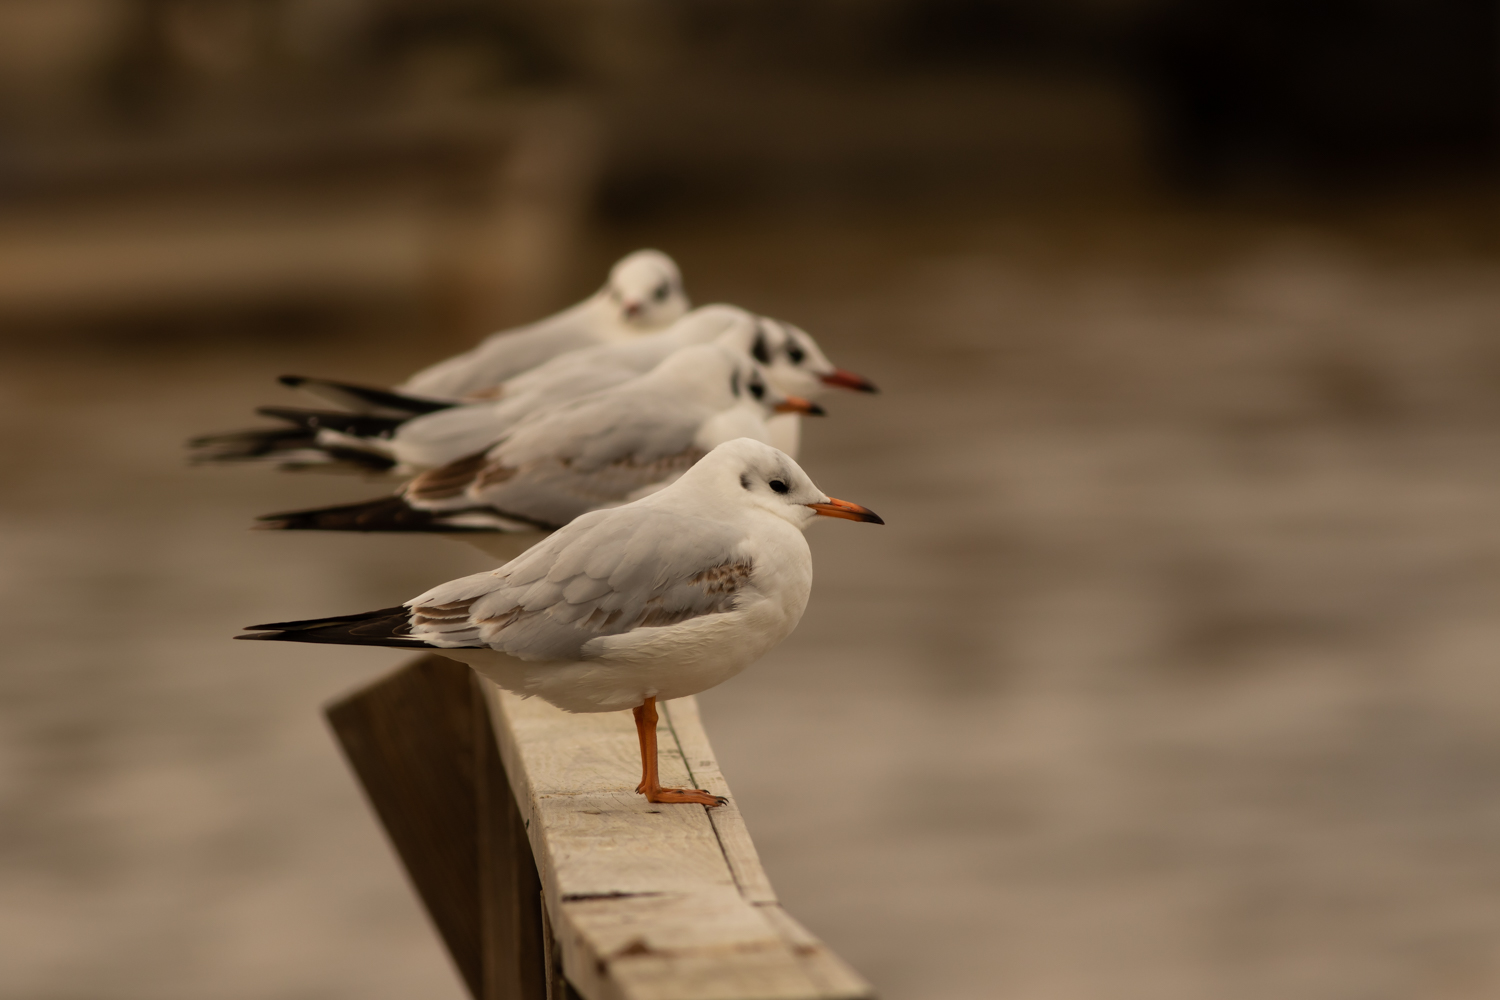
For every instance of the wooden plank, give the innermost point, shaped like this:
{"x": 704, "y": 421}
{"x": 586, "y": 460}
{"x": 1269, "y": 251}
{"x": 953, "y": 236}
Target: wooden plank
{"x": 515, "y": 955}
{"x": 410, "y": 739}
{"x": 421, "y": 743}
{"x": 651, "y": 902}
{"x": 686, "y": 726}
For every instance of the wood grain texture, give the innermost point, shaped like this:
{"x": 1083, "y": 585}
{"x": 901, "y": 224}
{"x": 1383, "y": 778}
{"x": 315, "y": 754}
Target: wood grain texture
{"x": 651, "y": 902}
{"x": 510, "y": 892}
{"x": 410, "y": 739}
{"x": 421, "y": 742}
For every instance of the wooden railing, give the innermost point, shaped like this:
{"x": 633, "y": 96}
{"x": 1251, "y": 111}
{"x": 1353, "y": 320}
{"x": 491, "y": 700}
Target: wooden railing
{"x": 543, "y": 870}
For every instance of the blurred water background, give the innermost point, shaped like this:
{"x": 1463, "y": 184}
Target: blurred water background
{"x": 1173, "y": 674}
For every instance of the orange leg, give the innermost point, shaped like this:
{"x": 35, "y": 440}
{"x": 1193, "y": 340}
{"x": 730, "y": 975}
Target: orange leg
{"x": 650, "y": 786}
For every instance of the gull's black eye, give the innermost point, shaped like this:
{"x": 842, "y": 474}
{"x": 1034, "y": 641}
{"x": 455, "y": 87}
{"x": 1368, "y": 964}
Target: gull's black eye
{"x": 757, "y": 389}
{"x": 660, "y": 294}
{"x": 759, "y": 350}
{"x": 778, "y": 486}
{"x": 795, "y": 352}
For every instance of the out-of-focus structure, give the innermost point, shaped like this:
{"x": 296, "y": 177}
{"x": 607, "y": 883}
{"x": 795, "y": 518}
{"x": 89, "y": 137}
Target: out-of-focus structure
{"x": 169, "y": 152}
{"x": 163, "y": 154}
{"x": 1173, "y": 675}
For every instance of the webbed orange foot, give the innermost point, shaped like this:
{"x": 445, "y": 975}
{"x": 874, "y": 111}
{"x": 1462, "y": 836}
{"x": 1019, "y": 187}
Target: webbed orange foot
{"x": 683, "y": 795}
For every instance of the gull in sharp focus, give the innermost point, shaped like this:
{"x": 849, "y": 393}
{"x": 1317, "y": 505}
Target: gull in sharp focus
{"x": 658, "y": 599}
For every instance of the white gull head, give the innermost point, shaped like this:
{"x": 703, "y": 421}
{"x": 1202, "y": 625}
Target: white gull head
{"x": 745, "y": 474}
{"x": 646, "y": 288}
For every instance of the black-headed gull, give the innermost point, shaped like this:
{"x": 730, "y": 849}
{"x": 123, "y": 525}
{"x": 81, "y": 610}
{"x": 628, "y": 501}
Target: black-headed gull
{"x": 793, "y": 362}
{"x": 659, "y": 599}
{"x": 406, "y": 444}
{"x": 603, "y": 449}
{"x": 643, "y": 294}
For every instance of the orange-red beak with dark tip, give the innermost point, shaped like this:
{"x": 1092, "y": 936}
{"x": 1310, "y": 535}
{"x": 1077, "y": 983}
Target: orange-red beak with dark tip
{"x": 848, "y": 380}
{"x": 634, "y": 309}
{"x": 848, "y": 511}
{"x": 796, "y": 404}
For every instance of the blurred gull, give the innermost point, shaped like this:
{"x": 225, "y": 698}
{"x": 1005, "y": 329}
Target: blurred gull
{"x": 601, "y": 450}
{"x": 352, "y": 441}
{"x": 661, "y": 598}
{"x": 644, "y": 293}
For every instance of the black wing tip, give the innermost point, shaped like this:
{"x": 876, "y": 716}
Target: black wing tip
{"x": 291, "y": 381}
{"x": 384, "y": 627}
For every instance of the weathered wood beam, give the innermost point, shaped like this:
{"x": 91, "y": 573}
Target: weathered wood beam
{"x": 652, "y": 902}
{"x": 421, "y": 744}
{"x": 544, "y": 871}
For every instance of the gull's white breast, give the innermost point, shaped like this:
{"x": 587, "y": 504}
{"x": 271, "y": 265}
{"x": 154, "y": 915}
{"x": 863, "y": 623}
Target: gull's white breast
{"x": 673, "y": 661}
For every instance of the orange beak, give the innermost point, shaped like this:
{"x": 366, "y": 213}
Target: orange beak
{"x": 848, "y": 511}
{"x": 848, "y": 380}
{"x": 796, "y": 404}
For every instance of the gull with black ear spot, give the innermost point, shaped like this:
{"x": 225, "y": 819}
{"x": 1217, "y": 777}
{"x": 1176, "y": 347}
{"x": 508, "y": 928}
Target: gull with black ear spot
{"x": 798, "y": 367}
{"x": 606, "y": 448}
{"x": 402, "y": 444}
{"x": 657, "y": 599}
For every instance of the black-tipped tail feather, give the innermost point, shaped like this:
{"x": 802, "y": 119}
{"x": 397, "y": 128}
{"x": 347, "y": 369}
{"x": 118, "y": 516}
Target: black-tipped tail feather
{"x": 393, "y": 513}
{"x": 365, "y": 399}
{"x": 386, "y": 627}
{"x": 294, "y": 447}
{"x": 360, "y": 425}
{"x": 390, "y": 513}
{"x": 259, "y": 442}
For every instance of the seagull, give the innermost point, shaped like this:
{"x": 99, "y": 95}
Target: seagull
{"x": 798, "y": 367}
{"x": 644, "y": 293}
{"x": 411, "y": 443}
{"x": 658, "y": 599}
{"x": 792, "y": 360}
{"x": 604, "y": 449}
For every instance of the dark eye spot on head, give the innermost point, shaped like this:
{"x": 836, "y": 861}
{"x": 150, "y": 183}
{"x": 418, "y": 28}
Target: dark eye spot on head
{"x": 759, "y": 350}
{"x": 778, "y": 486}
{"x": 660, "y": 294}
{"x": 734, "y": 383}
{"x": 757, "y": 388}
{"x": 744, "y": 481}
{"x": 795, "y": 352}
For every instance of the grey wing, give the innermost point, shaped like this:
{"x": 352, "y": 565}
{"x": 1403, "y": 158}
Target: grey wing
{"x": 607, "y": 573}
{"x": 502, "y": 356}
{"x": 577, "y": 458}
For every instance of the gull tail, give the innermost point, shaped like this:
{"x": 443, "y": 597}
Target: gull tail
{"x": 393, "y": 513}
{"x": 386, "y": 627}
{"x": 356, "y": 425}
{"x": 366, "y": 399}
{"x": 257, "y": 444}
{"x": 302, "y": 446}
{"x": 291, "y": 448}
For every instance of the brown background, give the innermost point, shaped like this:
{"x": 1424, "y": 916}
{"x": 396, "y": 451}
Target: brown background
{"x": 1173, "y": 674}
